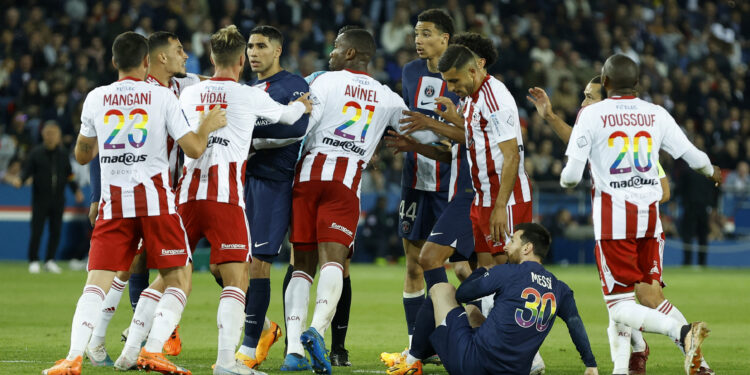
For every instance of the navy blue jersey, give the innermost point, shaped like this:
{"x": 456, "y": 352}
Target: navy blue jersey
{"x": 460, "y": 176}
{"x": 420, "y": 88}
{"x": 278, "y": 163}
{"x": 96, "y": 180}
{"x": 527, "y": 300}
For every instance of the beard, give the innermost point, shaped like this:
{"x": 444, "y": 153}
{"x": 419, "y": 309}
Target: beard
{"x": 179, "y": 75}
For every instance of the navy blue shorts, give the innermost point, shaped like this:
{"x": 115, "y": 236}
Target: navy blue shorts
{"x": 419, "y": 211}
{"x": 454, "y": 344}
{"x": 454, "y": 229}
{"x": 268, "y": 206}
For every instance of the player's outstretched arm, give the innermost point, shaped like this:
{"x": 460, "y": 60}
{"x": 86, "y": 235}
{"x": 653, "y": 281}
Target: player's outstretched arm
{"x": 541, "y": 101}
{"x": 499, "y": 217}
{"x": 481, "y": 283}
{"x": 414, "y": 121}
{"x": 195, "y": 143}
{"x": 569, "y": 313}
{"x": 86, "y": 149}
{"x": 405, "y": 143}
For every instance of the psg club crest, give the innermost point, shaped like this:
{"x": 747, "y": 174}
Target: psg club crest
{"x": 429, "y": 91}
{"x": 405, "y": 227}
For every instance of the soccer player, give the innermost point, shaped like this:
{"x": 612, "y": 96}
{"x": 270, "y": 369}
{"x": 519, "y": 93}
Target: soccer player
{"x": 166, "y": 68}
{"x": 528, "y": 298}
{"x": 495, "y": 145}
{"x": 626, "y": 134}
{"x": 268, "y": 187}
{"x": 452, "y": 237}
{"x": 424, "y": 182}
{"x": 621, "y": 337}
{"x": 211, "y": 195}
{"x": 350, "y": 113}
{"x": 128, "y": 122}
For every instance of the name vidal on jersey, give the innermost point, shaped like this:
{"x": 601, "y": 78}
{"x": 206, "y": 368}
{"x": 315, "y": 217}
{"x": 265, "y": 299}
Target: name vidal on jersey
{"x": 127, "y": 99}
{"x": 214, "y": 97}
{"x": 544, "y": 281}
{"x": 357, "y": 92}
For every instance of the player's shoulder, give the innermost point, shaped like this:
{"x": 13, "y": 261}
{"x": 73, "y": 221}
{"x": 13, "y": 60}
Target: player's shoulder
{"x": 292, "y": 83}
{"x": 188, "y": 80}
{"x": 415, "y": 66}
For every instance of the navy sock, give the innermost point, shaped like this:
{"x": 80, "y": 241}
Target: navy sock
{"x": 287, "y": 278}
{"x": 434, "y": 276}
{"x": 340, "y": 322}
{"x": 138, "y": 283}
{"x": 420, "y": 343}
{"x": 411, "y": 308}
{"x": 256, "y": 306}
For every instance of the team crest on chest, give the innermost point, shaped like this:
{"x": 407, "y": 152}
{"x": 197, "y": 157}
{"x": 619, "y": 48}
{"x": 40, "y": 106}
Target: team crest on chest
{"x": 429, "y": 91}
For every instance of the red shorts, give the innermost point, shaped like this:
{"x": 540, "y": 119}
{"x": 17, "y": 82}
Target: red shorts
{"x": 323, "y": 211}
{"x": 114, "y": 242}
{"x": 224, "y": 225}
{"x": 623, "y": 263}
{"x": 480, "y": 223}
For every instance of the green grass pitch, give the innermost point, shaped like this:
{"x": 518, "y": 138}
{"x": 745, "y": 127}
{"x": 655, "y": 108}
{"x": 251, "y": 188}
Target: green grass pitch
{"x": 36, "y": 311}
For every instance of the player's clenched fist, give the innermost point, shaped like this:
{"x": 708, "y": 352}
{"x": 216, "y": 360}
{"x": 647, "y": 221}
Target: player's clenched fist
{"x": 499, "y": 224}
{"x": 591, "y": 371}
{"x": 305, "y": 99}
{"x": 215, "y": 119}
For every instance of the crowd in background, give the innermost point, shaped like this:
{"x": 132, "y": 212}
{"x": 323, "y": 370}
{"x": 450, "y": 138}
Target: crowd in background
{"x": 693, "y": 57}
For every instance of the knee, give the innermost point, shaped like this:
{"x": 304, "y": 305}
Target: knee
{"x": 428, "y": 260}
{"x": 441, "y": 292}
{"x": 414, "y": 270}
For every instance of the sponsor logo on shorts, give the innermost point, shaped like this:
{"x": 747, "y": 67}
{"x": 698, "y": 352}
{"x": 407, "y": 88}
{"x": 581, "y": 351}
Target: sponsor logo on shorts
{"x": 342, "y": 228}
{"x": 261, "y": 244}
{"x": 233, "y": 246}
{"x": 168, "y": 252}
{"x": 405, "y": 227}
{"x": 435, "y": 233}
{"x": 654, "y": 269}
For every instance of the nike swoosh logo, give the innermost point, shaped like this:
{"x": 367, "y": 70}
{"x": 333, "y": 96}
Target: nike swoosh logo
{"x": 435, "y": 234}
{"x": 260, "y": 244}
{"x": 425, "y": 103}
{"x": 341, "y": 327}
{"x": 463, "y": 313}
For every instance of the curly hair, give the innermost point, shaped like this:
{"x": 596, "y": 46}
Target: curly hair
{"x": 478, "y": 44}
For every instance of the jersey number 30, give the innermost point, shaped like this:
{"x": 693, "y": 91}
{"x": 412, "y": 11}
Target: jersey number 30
{"x": 536, "y": 305}
{"x": 140, "y": 126}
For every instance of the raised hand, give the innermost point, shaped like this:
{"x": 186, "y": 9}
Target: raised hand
{"x": 541, "y": 101}
{"x": 450, "y": 114}
{"x": 399, "y": 142}
{"x": 305, "y": 99}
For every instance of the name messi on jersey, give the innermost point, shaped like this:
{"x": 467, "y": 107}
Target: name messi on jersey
{"x": 544, "y": 281}
{"x": 357, "y": 92}
{"x": 628, "y": 119}
{"x": 142, "y": 98}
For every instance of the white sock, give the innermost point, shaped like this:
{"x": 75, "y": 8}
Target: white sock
{"x": 637, "y": 341}
{"x": 296, "y": 300}
{"x": 330, "y": 284}
{"x": 108, "y": 311}
{"x": 166, "y": 317}
{"x": 666, "y": 308}
{"x": 248, "y": 351}
{"x": 410, "y": 359}
{"x": 488, "y": 302}
{"x": 619, "y": 346}
{"x": 140, "y": 325}
{"x": 267, "y": 324}
{"x": 229, "y": 318}
{"x": 87, "y": 313}
{"x": 623, "y": 309}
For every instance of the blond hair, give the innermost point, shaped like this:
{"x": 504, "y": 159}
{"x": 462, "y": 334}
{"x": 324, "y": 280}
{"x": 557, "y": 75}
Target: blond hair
{"x": 227, "y": 45}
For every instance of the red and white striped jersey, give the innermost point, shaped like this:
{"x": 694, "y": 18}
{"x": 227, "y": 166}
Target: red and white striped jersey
{"x": 176, "y": 85}
{"x": 625, "y": 134}
{"x": 218, "y": 175}
{"x": 351, "y": 111}
{"x": 132, "y": 120}
{"x": 492, "y": 118}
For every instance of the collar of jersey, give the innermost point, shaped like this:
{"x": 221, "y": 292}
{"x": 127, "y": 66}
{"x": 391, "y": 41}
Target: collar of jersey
{"x": 475, "y": 95}
{"x": 622, "y": 97}
{"x": 356, "y": 71}
{"x": 222, "y": 79}
{"x": 129, "y": 78}
{"x": 159, "y": 82}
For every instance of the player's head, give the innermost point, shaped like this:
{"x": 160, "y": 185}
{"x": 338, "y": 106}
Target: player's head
{"x": 51, "y": 134}
{"x": 529, "y": 241}
{"x": 432, "y": 33}
{"x": 165, "y": 50}
{"x": 264, "y": 48}
{"x": 460, "y": 70}
{"x": 346, "y": 28}
{"x": 620, "y": 73}
{"x": 594, "y": 92}
{"x": 481, "y": 46}
{"x": 228, "y": 48}
{"x": 130, "y": 54}
{"x": 353, "y": 49}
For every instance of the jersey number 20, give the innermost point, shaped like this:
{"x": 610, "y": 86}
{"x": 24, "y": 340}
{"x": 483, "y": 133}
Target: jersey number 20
{"x": 615, "y": 168}
{"x": 536, "y": 307}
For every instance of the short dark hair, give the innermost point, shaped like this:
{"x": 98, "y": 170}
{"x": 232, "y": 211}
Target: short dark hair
{"x": 361, "y": 40}
{"x": 478, "y": 44}
{"x": 346, "y": 28}
{"x": 269, "y": 32}
{"x": 159, "y": 40}
{"x": 537, "y": 235}
{"x": 226, "y": 45}
{"x": 455, "y": 56}
{"x": 442, "y": 20}
{"x": 597, "y": 80}
{"x": 621, "y": 71}
{"x": 128, "y": 50}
